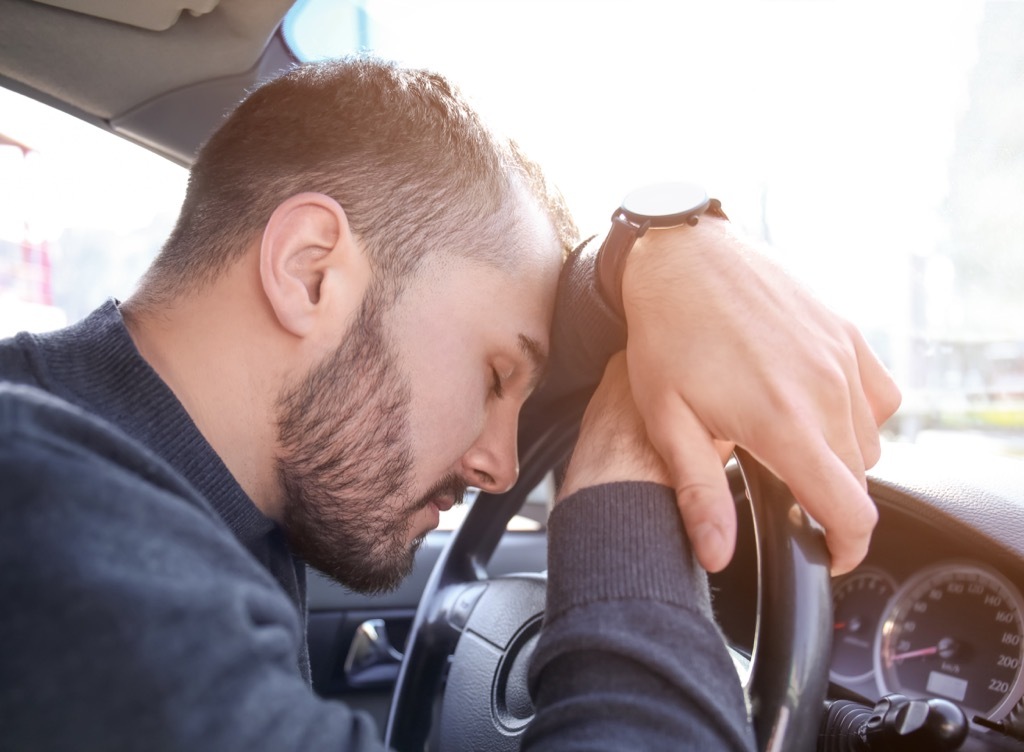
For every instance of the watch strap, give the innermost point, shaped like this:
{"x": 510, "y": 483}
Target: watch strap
{"x": 623, "y": 234}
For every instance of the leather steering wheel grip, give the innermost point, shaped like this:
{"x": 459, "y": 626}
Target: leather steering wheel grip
{"x": 793, "y": 640}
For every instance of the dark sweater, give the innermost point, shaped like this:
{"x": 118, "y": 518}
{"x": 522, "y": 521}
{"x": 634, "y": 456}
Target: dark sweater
{"x": 148, "y": 604}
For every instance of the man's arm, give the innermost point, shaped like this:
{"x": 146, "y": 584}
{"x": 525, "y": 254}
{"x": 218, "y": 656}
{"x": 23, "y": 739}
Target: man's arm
{"x": 727, "y": 349}
{"x": 629, "y": 657}
{"x": 586, "y": 333}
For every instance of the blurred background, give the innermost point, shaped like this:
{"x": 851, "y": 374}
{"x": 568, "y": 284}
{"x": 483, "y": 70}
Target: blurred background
{"x": 877, "y": 150}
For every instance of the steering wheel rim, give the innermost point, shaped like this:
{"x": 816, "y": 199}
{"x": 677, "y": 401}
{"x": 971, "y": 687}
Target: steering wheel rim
{"x": 793, "y": 639}
{"x": 789, "y": 665}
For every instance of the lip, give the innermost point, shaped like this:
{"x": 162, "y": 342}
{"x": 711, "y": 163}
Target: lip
{"x": 433, "y": 515}
{"x": 443, "y": 503}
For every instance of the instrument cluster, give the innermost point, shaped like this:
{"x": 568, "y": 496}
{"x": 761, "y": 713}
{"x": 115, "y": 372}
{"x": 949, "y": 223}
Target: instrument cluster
{"x": 952, "y": 629}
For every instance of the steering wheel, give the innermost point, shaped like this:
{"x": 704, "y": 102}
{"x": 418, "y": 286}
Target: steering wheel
{"x": 472, "y": 637}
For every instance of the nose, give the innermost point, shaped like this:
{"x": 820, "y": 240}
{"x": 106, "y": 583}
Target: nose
{"x": 492, "y": 463}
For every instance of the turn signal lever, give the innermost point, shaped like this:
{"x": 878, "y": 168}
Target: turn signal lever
{"x": 896, "y": 724}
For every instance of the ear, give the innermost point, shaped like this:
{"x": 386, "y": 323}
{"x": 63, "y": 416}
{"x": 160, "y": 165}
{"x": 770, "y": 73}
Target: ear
{"x": 312, "y": 268}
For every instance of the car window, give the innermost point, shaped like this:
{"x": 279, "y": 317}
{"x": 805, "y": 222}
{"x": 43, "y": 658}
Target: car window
{"x": 82, "y": 212}
{"x": 875, "y": 148}
{"x": 881, "y": 163}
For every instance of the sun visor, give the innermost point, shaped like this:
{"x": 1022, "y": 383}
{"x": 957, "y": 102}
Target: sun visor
{"x": 154, "y": 15}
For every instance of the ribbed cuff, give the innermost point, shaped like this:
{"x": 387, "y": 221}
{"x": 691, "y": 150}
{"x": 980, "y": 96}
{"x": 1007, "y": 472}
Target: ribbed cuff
{"x": 621, "y": 541}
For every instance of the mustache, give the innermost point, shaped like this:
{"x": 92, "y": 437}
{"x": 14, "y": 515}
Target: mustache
{"x": 449, "y": 485}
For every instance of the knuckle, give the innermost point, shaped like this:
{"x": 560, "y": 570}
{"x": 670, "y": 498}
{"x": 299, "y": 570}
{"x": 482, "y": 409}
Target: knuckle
{"x": 831, "y": 376}
{"x": 863, "y": 519}
{"x": 695, "y": 498}
{"x": 871, "y": 450}
{"x": 892, "y": 398}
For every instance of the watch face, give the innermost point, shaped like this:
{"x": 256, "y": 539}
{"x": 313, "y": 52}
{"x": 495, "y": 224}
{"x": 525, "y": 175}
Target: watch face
{"x": 666, "y": 204}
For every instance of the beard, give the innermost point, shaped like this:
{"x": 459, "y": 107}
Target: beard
{"x": 345, "y": 463}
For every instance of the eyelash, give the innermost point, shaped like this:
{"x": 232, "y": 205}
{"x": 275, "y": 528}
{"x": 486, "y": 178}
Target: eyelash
{"x": 497, "y": 388}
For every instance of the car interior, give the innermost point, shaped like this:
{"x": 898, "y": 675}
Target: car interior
{"x": 920, "y": 647}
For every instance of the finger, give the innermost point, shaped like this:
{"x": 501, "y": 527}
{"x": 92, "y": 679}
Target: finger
{"x": 834, "y": 496}
{"x": 882, "y": 393}
{"x": 838, "y": 416}
{"x": 869, "y": 446}
{"x": 846, "y": 440}
{"x": 864, "y": 427}
{"x": 702, "y": 490}
{"x": 724, "y": 449}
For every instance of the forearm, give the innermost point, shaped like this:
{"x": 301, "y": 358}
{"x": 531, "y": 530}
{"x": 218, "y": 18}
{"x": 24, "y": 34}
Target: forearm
{"x": 629, "y": 656}
{"x": 584, "y": 335}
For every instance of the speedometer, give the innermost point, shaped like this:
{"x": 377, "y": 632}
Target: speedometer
{"x": 954, "y": 631}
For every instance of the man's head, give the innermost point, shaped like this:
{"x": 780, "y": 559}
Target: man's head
{"x": 400, "y": 149}
{"x": 378, "y": 268}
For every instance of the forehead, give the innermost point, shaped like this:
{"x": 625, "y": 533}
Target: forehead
{"x": 511, "y": 298}
{"x": 515, "y": 258}
{"x": 455, "y": 311}
{"x": 525, "y": 280}
{"x": 484, "y": 288}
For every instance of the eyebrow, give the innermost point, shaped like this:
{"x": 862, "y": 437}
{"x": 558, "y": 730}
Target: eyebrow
{"x": 537, "y": 355}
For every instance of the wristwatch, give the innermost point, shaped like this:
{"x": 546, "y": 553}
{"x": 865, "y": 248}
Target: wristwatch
{"x": 653, "y": 206}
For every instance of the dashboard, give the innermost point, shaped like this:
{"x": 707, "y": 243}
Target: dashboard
{"x": 927, "y": 615}
{"x": 936, "y": 608}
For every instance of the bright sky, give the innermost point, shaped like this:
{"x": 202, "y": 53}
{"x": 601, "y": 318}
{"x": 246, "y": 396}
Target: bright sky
{"x": 830, "y": 122}
{"x": 77, "y": 175}
{"x": 826, "y": 114}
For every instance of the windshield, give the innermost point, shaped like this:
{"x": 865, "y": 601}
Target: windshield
{"x": 875, "y": 149}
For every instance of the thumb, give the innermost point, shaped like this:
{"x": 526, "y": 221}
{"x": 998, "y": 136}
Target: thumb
{"x": 695, "y": 465}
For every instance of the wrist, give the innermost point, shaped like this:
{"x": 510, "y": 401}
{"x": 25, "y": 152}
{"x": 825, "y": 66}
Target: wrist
{"x": 671, "y": 260}
{"x": 676, "y": 245}
{"x": 615, "y": 468}
{"x": 652, "y": 208}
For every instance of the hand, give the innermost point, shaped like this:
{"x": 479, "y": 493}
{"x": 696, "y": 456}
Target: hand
{"x": 723, "y": 349}
{"x": 613, "y": 444}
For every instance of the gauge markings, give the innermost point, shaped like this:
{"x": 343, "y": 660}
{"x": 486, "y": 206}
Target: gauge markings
{"x": 858, "y": 600}
{"x": 954, "y": 631}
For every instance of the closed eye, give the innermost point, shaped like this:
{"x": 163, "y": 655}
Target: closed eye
{"x": 497, "y": 388}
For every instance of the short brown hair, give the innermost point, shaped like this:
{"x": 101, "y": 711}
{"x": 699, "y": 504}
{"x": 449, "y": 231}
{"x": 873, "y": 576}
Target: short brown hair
{"x": 400, "y": 149}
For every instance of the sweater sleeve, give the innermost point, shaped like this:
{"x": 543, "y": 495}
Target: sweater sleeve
{"x": 132, "y": 618}
{"x": 629, "y": 657}
{"x": 584, "y": 335}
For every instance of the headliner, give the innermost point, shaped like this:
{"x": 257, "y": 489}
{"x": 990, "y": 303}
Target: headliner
{"x": 165, "y": 89}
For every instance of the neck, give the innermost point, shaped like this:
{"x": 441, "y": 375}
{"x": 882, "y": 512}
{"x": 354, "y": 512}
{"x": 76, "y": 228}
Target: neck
{"x": 221, "y": 373}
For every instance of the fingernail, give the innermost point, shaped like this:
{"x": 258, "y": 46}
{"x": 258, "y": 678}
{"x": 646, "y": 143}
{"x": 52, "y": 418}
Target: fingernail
{"x": 708, "y": 543}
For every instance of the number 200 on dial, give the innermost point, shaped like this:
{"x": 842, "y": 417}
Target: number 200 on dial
{"x": 954, "y": 631}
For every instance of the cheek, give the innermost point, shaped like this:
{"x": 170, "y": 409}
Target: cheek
{"x": 447, "y": 375}
{"x": 447, "y": 417}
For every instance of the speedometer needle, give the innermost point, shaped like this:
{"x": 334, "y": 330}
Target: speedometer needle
{"x": 946, "y": 648}
{"x": 915, "y": 653}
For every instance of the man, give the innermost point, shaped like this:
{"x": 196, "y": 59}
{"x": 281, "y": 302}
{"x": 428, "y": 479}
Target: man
{"x": 336, "y": 340}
